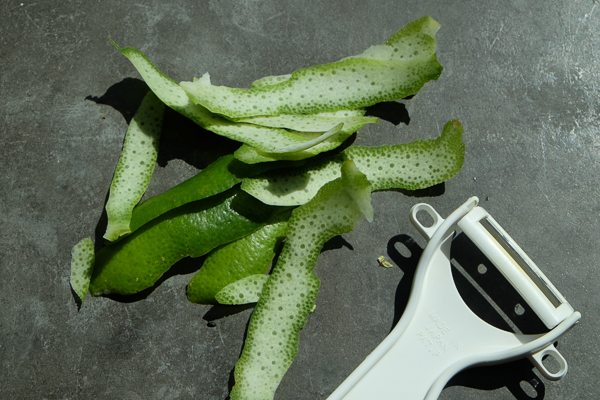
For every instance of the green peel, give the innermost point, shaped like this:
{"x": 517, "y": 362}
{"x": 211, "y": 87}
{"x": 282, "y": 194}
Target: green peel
{"x": 82, "y": 265}
{"x": 308, "y": 126}
{"x": 140, "y": 259}
{"x": 353, "y": 121}
{"x": 310, "y": 122}
{"x": 294, "y": 186}
{"x": 270, "y": 80}
{"x": 216, "y": 178}
{"x": 417, "y": 165}
{"x": 261, "y": 138}
{"x": 135, "y": 166}
{"x": 347, "y": 84}
{"x": 229, "y": 263}
{"x": 250, "y": 155}
{"x": 352, "y": 83}
{"x": 246, "y": 290}
{"x": 413, "y": 42}
{"x": 289, "y": 294}
{"x": 411, "y": 166}
{"x": 307, "y": 144}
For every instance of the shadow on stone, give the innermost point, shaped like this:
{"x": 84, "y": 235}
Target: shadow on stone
{"x": 180, "y": 139}
{"x": 125, "y": 97}
{"x": 391, "y": 111}
{"x": 517, "y": 376}
{"x": 219, "y": 311}
{"x": 183, "y": 139}
{"x": 405, "y": 253}
{"x": 432, "y": 191}
{"x": 335, "y": 243}
{"x": 76, "y": 298}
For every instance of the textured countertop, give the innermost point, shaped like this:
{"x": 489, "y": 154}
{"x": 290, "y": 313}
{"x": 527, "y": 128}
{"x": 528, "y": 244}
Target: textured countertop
{"x": 522, "y": 77}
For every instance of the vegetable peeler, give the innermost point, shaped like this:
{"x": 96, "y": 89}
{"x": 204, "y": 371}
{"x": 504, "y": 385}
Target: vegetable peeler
{"x": 439, "y": 335}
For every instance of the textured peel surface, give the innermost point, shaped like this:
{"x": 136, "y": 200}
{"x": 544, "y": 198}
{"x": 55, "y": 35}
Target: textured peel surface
{"x": 171, "y": 93}
{"x": 289, "y": 295}
{"x": 135, "y": 167}
{"x": 246, "y": 290}
{"x": 233, "y": 261}
{"x": 140, "y": 259}
{"x": 82, "y": 265}
{"x": 397, "y": 69}
{"x": 410, "y": 166}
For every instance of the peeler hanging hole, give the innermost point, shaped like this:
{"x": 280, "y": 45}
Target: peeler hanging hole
{"x": 482, "y": 269}
{"x": 519, "y": 309}
{"x": 551, "y": 364}
{"x": 425, "y": 219}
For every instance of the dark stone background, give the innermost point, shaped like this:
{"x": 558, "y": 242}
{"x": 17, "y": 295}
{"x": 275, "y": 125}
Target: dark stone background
{"x": 522, "y": 76}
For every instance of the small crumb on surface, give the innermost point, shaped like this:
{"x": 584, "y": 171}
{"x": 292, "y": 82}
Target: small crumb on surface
{"x": 383, "y": 262}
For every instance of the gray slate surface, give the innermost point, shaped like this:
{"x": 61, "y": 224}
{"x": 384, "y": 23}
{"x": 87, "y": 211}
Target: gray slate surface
{"x": 522, "y": 76}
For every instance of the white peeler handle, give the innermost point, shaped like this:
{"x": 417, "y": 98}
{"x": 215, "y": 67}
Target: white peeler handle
{"x": 438, "y": 334}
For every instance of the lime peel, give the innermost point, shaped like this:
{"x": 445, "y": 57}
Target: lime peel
{"x": 246, "y": 290}
{"x": 82, "y": 265}
{"x": 270, "y": 80}
{"x": 251, "y": 155}
{"x": 306, "y": 126}
{"x": 139, "y": 260}
{"x": 233, "y": 261}
{"x": 290, "y": 292}
{"x": 408, "y": 63}
{"x": 170, "y": 92}
{"x": 410, "y": 166}
{"x": 310, "y": 122}
{"x": 215, "y": 178}
{"x": 384, "y": 263}
{"x": 135, "y": 167}
{"x": 307, "y": 144}
{"x": 219, "y": 176}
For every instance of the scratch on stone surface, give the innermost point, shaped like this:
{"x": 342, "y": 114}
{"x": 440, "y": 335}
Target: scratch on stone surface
{"x": 63, "y": 139}
{"x": 249, "y": 30}
{"x": 543, "y": 145}
{"x": 275, "y": 16}
{"x": 544, "y": 193}
{"x": 220, "y": 337}
{"x": 32, "y": 21}
{"x": 153, "y": 16}
{"x": 497, "y": 35}
{"x": 312, "y": 388}
{"x": 76, "y": 364}
{"x": 163, "y": 367}
{"x": 585, "y": 17}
